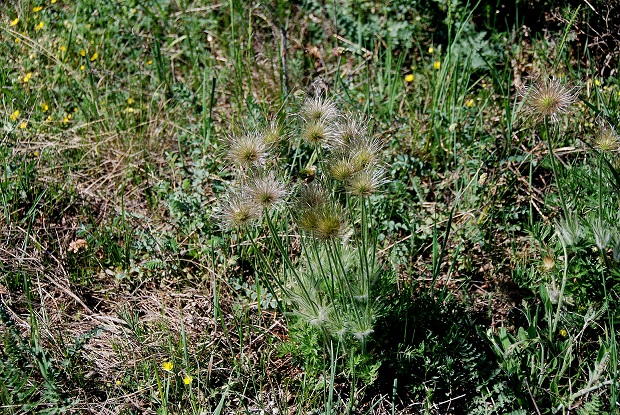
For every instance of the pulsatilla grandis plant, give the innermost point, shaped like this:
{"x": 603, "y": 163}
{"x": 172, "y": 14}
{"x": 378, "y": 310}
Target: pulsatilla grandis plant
{"x": 317, "y": 210}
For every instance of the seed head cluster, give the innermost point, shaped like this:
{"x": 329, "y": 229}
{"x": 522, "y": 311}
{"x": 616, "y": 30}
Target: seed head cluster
{"x": 333, "y": 293}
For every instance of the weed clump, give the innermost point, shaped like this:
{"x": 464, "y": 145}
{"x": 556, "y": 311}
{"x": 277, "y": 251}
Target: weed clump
{"x": 323, "y": 199}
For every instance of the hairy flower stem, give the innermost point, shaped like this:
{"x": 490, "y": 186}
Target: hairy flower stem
{"x": 276, "y": 239}
{"x": 600, "y": 184}
{"x": 265, "y": 263}
{"x": 365, "y": 239}
{"x": 553, "y": 166}
{"x": 562, "y": 288}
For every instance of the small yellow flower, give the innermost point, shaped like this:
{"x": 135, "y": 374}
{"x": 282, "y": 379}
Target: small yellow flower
{"x": 14, "y": 22}
{"x": 437, "y": 65}
{"x": 53, "y": 1}
{"x": 36, "y": 153}
{"x": 82, "y": 52}
{"x": 49, "y": 118}
{"x": 75, "y": 109}
{"x": 23, "y": 125}
{"x": 150, "y": 62}
{"x": 94, "y": 57}
{"x": 44, "y": 107}
{"x": 597, "y": 82}
{"x": 14, "y": 116}
{"x": 88, "y": 26}
{"x": 469, "y": 103}
{"x": 118, "y": 382}
{"x": 39, "y": 26}
{"x": 130, "y": 101}
{"x": 69, "y": 116}
{"x": 65, "y": 120}
{"x": 129, "y": 109}
{"x": 431, "y": 50}
{"x": 63, "y": 48}
{"x": 37, "y": 9}
{"x": 167, "y": 366}
{"x": 17, "y": 40}
{"x": 563, "y": 333}
{"x": 409, "y": 78}
{"x": 82, "y": 67}
{"x": 27, "y": 77}
{"x": 188, "y": 380}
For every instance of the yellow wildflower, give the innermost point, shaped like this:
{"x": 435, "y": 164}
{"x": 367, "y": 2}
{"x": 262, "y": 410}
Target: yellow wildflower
{"x": 37, "y": 9}
{"x": 118, "y": 382}
{"x": 53, "y": 1}
{"x": 39, "y": 26}
{"x": 431, "y": 50}
{"x": 49, "y": 118}
{"x": 23, "y": 125}
{"x": 129, "y": 109}
{"x": 14, "y": 22}
{"x": 17, "y": 40}
{"x": 82, "y": 67}
{"x": 149, "y": 62}
{"x": 167, "y": 366}
{"x": 409, "y": 78}
{"x": 82, "y": 52}
{"x": 65, "y": 120}
{"x": 44, "y": 107}
{"x": 14, "y": 116}
{"x": 130, "y": 101}
{"x": 597, "y": 82}
{"x": 95, "y": 56}
{"x": 36, "y": 153}
{"x": 27, "y": 77}
{"x": 469, "y": 102}
{"x": 563, "y": 333}
{"x": 437, "y": 65}
{"x": 188, "y": 379}
{"x": 63, "y": 48}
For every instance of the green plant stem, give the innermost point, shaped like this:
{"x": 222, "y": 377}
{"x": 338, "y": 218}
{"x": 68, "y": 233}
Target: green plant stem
{"x": 562, "y": 288}
{"x": 553, "y": 166}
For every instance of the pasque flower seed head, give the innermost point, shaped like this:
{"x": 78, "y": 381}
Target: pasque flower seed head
{"x": 248, "y": 150}
{"x": 238, "y": 209}
{"x": 548, "y": 99}
{"x": 266, "y": 190}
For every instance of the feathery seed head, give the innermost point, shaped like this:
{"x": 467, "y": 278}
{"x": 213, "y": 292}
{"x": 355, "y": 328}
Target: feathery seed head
{"x": 352, "y": 130}
{"x": 319, "y": 109}
{"x": 366, "y": 153}
{"x": 319, "y": 133}
{"x": 307, "y": 220}
{"x": 267, "y": 191}
{"x": 330, "y": 223}
{"x": 365, "y": 182}
{"x": 274, "y": 133}
{"x": 341, "y": 169}
{"x": 311, "y": 196}
{"x": 248, "y": 150}
{"x": 548, "y": 99}
{"x": 607, "y": 139}
{"x": 238, "y": 210}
